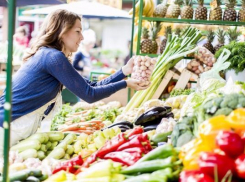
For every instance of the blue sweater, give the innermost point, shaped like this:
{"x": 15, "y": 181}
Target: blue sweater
{"x": 39, "y": 80}
{"x": 80, "y": 57}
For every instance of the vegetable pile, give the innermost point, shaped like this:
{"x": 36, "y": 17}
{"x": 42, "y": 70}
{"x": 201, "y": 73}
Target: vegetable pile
{"x": 142, "y": 70}
{"x": 218, "y": 151}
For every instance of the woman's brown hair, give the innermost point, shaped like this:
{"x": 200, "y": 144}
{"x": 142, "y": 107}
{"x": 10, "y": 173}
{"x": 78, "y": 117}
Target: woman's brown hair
{"x": 55, "y": 25}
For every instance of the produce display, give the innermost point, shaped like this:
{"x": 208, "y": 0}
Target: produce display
{"x": 143, "y": 67}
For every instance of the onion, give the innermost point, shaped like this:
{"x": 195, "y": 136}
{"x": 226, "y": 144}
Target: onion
{"x": 153, "y": 61}
{"x": 147, "y": 63}
{"x": 143, "y": 74}
{"x": 143, "y": 58}
{"x": 142, "y": 63}
{"x": 189, "y": 66}
{"x": 143, "y": 68}
{"x": 197, "y": 72}
{"x": 194, "y": 68}
{"x": 148, "y": 71}
{"x": 200, "y": 68}
{"x": 213, "y": 60}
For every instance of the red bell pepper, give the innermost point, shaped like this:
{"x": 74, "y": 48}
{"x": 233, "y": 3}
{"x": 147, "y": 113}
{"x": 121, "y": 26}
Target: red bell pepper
{"x": 230, "y": 142}
{"x": 109, "y": 146}
{"x": 70, "y": 165}
{"x": 139, "y": 140}
{"x": 123, "y": 157}
{"x": 240, "y": 166}
{"x": 210, "y": 162}
{"x": 194, "y": 176}
{"x": 135, "y": 131}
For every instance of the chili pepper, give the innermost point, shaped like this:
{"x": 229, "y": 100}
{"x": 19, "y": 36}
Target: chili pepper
{"x": 230, "y": 142}
{"x": 240, "y": 166}
{"x": 70, "y": 165}
{"x": 209, "y": 162}
{"x": 194, "y": 176}
{"x": 236, "y": 119}
{"x": 109, "y": 146}
{"x": 149, "y": 166}
{"x": 139, "y": 140}
{"x": 135, "y": 131}
{"x": 208, "y": 130}
{"x": 139, "y": 150}
{"x": 125, "y": 158}
{"x": 159, "y": 152}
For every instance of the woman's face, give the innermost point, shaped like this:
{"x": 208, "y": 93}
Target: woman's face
{"x": 73, "y": 37}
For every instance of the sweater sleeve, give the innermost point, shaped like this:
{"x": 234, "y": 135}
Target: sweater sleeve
{"x": 59, "y": 67}
{"x": 77, "y": 58}
{"x": 111, "y": 79}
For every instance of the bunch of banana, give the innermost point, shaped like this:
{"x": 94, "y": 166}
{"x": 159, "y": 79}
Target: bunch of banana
{"x": 148, "y": 9}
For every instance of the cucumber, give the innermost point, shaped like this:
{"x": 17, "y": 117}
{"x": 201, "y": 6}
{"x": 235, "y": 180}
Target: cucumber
{"x": 57, "y": 153}
{"x": 43, "y": 148}
{"x": 32, "y": 179}
{"x": 48, "y": 145}
{"x": 41, "y": 154}
{"x": 27, "y": 144}
{"x": 43, "y": 177}
{"x": 55, "y": 136}
{"x": 29, "y": 153}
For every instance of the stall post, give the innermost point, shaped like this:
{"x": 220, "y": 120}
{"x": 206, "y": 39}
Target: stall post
{"x": 8, "y": 98}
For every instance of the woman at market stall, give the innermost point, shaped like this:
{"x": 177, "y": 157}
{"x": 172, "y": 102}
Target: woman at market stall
{"x": 37, "y": 86}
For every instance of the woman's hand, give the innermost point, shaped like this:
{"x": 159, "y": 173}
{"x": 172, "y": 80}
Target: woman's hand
{"x": 128, "y": 68}
{"x": 134, "y": 84}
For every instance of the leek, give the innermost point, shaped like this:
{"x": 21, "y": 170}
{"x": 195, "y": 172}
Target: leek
{"x": 176, "y": 49}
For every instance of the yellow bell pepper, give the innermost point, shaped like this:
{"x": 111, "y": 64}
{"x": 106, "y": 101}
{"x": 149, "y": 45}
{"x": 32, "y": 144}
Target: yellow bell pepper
{"x": 58, "y": 177}
{"x": 237, "y": 119}
{"x": 190, "y": 153}
{"x": 210, "y": 128}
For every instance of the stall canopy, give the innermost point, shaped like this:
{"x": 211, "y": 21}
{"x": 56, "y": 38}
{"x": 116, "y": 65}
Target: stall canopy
{"x": 32, "y": 2}
{"x": 85, "y": 9}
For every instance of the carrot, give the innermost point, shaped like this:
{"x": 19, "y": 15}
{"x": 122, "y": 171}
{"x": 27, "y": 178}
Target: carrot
{"x": 95, "y": 121}
{"x": 73, "y": 127}
{"x": 88, "y": 132}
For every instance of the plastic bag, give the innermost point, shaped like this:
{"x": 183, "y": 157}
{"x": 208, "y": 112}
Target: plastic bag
{"x": 205, "y": 56}
{"x": 143, "y": 67}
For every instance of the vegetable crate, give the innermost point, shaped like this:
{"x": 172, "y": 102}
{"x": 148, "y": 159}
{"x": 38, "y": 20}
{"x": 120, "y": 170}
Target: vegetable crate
{"x": 183, "y": 79}
{"x": 94, "y": 76}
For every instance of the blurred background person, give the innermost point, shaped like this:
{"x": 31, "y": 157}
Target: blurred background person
{"x": 82, "y": 61}
{"x": 20, "y": 37}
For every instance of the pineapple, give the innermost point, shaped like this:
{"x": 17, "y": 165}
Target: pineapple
{"x": 161, "y": 9}
{"x": 201, "y": 11}
{"x": 146, "y": 43}
{"x": 233, "y": 34}
{"x": 210, "y": 37}
{"x": 221, "y": 39}
{"x": 178, "y": 31}
{"x": 174, "y": 9}
{"x": 216, "y": 12}
{"x": 187, "y": 11}
{"x": 168, "y": 30}
{"x": 241, "y": 14}
{"x": 230, "y": 13}
{"x": 155, "y": 32}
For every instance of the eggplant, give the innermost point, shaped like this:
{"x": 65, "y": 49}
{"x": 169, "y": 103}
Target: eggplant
{"x": 124, "y": 123}
{"x": 170, "y": 115}
{"x": 152, "y": 114}
{"x": 150, "y": 127}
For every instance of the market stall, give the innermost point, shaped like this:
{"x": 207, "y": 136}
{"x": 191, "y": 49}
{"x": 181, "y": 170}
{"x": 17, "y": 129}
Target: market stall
{"x": 187, "y": 126}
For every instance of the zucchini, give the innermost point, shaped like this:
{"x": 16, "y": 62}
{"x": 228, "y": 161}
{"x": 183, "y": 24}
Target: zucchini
{"x": 41, "y": 154}
{"x": 53, "y": 145}
{"x": 70, "y": 149}
{"x": 57, "y": 153}
{"x": 48, "y": 145}
{"x": 27, "y": 144}
{"x": 36, "y": 173}
{"x": 43, "y": 177}
{"x": 19, "y": 176}
{"x": 38, "y": 136}
{"x": 70, "y": 138}
{"x": 32, "y": 179}
{"x": 55, "y": 136}
{"x": 43, "y": 148}
{"x": 29, "y": 153}
{"x": 46, "y": 137}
